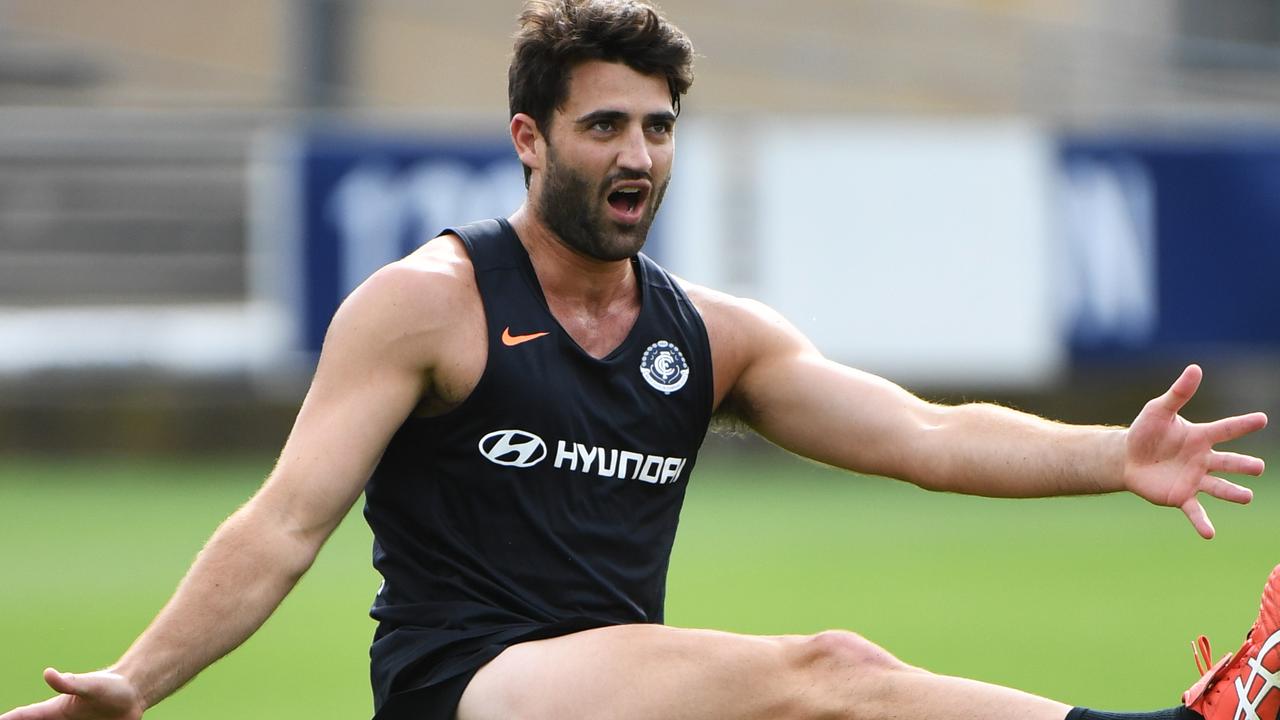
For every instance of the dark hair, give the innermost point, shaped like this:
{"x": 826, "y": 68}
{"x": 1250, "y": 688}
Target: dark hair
{"x": 556, "y": 35}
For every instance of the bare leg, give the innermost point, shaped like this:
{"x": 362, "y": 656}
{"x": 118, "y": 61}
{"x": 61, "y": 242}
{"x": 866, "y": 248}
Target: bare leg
{"x": 642, "y": 672}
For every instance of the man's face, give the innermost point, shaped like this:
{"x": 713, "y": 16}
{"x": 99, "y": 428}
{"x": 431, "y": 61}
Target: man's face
{"x": 609, "y": 154}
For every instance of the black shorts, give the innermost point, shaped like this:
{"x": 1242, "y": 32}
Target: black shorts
{"x": 420, "y": 673}
{"x": 436, "y": 701}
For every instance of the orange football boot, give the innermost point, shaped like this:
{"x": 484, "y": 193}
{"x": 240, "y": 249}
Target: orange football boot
{"x": 1246, "y": 684}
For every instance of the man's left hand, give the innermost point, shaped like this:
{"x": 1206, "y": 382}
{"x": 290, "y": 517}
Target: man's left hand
{"x": 1169, "y": 460}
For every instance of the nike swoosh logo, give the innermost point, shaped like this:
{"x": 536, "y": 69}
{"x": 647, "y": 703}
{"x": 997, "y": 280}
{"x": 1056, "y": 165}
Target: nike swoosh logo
{"x": 513, "y": 340}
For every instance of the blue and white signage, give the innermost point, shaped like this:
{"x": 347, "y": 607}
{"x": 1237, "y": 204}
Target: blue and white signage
{"x": 1172, "y": 247}
{"x": 360, "y": 201}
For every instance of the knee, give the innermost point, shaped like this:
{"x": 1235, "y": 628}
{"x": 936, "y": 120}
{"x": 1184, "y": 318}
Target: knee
{"x": 847, "y": 675}
{"x": 846, "y": 651}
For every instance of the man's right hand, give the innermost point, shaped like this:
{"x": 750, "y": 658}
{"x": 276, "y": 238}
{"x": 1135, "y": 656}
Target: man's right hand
{"x": 92, "y": 696}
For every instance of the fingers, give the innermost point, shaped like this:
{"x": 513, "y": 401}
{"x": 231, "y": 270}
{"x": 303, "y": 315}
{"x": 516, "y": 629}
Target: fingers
{"x": 1228, "y": 429}
{"x": 17, "y": 714}
{"x": 1236, "y": 463}
{"x": 1226, "y": 490}
{"x": 1181, "y": 391}
{"x": 65, "y": 683}
{"x": 48, "y": 710}
{"x": 1199, "y": 518}
{"x": 1221, "y": 489}
{"x": 54, "y": 708}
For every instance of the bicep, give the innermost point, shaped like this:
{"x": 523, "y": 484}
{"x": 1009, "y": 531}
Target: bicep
{"x": 370, "y": 376}
{"x": 794, "y": 396}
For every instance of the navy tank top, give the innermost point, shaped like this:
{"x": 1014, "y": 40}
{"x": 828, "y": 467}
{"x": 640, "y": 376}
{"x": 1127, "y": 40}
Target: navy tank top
{"x": 548, "y": 500}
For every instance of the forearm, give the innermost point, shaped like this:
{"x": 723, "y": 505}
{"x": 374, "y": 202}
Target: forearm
{"x": 236, "y": 582}
{"x": 993, "y": 451}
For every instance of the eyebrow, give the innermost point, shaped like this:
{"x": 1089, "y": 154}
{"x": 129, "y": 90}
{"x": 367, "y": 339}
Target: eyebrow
{"x": 596, "y": 116}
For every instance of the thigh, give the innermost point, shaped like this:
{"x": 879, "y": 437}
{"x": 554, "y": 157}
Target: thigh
{"x": 639, "y": 672}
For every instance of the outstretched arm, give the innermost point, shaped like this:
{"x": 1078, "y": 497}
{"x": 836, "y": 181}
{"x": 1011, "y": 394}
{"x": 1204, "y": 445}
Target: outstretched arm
{"x": 368, "y": 380}
{"x": 775, "y": 379}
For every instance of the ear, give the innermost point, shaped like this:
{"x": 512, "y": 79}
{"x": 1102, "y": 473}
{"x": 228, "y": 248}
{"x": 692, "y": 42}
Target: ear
{"x": 528, "y": 140}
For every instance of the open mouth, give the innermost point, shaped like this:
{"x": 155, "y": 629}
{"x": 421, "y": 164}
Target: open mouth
{"x": 628, "y": 202}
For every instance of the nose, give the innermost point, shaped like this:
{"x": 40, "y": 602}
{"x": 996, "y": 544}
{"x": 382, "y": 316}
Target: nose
{"x": 634, "y": 153}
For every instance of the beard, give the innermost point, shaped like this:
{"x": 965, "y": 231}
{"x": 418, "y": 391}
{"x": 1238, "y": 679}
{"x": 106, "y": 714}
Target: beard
{"x": 577, "y": 212}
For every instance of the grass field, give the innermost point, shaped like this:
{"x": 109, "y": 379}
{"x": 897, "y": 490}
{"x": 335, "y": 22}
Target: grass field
{"x": 1091, "y": 601}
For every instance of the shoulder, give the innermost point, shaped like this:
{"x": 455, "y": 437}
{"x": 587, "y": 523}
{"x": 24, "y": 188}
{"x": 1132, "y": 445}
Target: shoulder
{"x": 426, "y": 284}
{"x": 420, "y": 298}
{"x": 732, "y": 320}
{"x": 742, "y": 333}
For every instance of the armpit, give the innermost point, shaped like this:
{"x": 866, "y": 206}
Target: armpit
{"x": 726, "y": 422}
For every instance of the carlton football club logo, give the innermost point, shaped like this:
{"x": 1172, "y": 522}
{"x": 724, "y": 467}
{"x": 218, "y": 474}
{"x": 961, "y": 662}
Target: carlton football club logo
{"x": 663, "y": 367}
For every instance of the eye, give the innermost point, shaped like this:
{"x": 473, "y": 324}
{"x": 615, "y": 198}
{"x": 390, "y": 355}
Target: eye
{"x": 660, "y": 128}
{"x": 602, "y": 126}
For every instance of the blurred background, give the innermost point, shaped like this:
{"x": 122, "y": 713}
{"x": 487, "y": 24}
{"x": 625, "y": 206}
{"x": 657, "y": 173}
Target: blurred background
{"x": 1048, "y": 203}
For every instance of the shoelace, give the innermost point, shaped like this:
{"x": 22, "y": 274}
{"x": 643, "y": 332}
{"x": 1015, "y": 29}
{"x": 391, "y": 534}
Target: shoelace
{"x": 1202, "y": 654}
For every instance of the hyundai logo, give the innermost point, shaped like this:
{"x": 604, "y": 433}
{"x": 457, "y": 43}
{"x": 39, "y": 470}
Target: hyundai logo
{"x": 515, "y": 448}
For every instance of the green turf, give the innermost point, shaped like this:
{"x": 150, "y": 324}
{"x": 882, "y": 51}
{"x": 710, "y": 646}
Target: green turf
{"x": 1092, "y": 601}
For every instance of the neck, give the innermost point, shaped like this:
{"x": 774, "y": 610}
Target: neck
{"x": 566, "y": 274}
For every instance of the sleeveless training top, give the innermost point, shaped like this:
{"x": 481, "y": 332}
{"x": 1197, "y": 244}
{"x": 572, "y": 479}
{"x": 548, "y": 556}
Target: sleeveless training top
{"x": 547, "y": 501}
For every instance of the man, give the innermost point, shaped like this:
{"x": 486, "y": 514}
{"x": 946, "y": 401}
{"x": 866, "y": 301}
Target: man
{"x": 525, "y": 398}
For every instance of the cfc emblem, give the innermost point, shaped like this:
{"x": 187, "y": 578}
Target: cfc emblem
{"x": 663, "y": 367}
